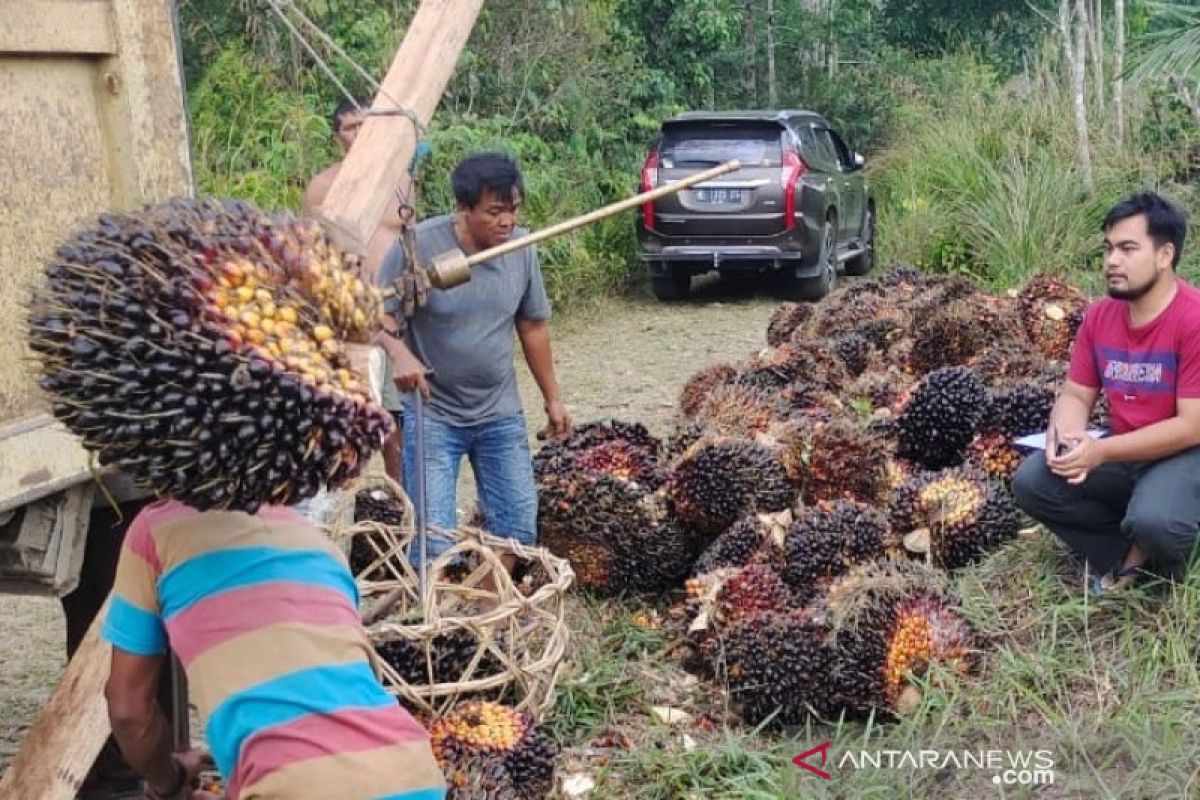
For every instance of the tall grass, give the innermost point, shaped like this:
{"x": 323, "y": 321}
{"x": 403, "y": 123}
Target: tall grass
{"x": 988, "y": 185}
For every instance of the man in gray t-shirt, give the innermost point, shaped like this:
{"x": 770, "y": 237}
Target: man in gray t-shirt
{"x": 465, "y": 336}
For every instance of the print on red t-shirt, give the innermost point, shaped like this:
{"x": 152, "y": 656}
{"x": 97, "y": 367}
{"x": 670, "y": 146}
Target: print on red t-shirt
{"x": 1142, "y": 370}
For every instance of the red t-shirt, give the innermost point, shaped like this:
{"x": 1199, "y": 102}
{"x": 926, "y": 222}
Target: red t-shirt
{"x": 1143, "y": 370}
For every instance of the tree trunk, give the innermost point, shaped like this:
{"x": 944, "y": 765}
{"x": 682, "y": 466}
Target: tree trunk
{"x": 1119, "y": 67}
{"x": 772, "y": 89}
{"x": 750, "y": 47}
{"x": 1079, "y": 88}
{"x": 1096, "y": 26}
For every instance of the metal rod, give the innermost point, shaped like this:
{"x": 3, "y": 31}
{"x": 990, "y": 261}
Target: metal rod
{"x": 600, "y": 213}
{"x": 420, "y": 501}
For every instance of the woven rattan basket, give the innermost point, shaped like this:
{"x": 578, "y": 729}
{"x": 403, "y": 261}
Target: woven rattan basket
{"x": 514, "y": 632}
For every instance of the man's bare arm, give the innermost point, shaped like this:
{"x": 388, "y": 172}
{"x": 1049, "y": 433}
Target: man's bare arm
{"x": 1160, "y": 440}
{"x": 1070, "y": 413}
{"x": 318, "y": 187}
{"x": 535, "y": 343}
{"x": 139, "y": 725}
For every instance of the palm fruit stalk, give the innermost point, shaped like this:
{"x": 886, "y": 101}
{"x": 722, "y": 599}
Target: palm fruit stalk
{"x": 197, "y": 346}
{"x": 941, "y": 418}
{"x": 488, "y": 751}
{"x": 954, "y": 517}
{"x": 718, "y": 481}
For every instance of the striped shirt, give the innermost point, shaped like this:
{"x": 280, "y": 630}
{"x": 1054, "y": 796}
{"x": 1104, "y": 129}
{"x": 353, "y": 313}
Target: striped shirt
{"x": 262, "y": 612}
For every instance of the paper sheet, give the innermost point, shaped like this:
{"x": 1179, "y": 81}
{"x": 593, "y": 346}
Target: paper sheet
{"x": 1038, "y": 440}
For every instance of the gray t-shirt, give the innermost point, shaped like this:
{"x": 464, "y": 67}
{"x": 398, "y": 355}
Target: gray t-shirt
{"x": 465, "y": 334}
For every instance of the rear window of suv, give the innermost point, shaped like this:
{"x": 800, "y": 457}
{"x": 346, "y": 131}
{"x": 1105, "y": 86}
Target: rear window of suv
{"x": 706, "y": 144}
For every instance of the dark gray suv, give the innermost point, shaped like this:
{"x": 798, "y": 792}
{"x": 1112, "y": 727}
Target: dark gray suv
{"x": 798, "y": 209}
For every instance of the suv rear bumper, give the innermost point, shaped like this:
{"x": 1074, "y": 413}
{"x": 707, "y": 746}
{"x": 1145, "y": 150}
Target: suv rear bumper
{"x": 717, "y": 254}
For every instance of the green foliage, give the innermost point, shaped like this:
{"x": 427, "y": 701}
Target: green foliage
{"x": 988, "y": 185}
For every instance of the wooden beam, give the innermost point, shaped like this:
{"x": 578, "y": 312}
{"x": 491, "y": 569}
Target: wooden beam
{"x": 56, "y": 26}
{"x": 378, "y": 162}
{"x": 64, "y": 742}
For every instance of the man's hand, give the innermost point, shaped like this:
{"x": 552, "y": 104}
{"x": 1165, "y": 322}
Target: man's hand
{"x": 1084, "y": 455}
{"x": 407, "y": 370}
{"x": 558, "y": 419}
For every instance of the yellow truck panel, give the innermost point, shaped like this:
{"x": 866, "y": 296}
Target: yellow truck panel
{"x": 91, "y": 119}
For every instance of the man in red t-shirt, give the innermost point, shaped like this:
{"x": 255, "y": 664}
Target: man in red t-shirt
{"x": 1128, "y": 503}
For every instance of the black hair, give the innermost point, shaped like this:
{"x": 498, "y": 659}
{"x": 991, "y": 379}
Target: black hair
{"x": 482, "y": 172}
{"x": 345, "y": 107}
{"x": 1164, "y": 221}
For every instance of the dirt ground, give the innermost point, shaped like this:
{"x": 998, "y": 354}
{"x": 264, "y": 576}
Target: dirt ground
{"x": 625, "y": 360}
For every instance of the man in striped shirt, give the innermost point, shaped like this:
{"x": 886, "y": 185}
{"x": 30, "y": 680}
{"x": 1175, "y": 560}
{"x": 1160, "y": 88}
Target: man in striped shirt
{"x": 262, "y": 612}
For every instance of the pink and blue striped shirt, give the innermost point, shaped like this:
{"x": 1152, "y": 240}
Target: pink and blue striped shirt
{"x": 263, "y": 614}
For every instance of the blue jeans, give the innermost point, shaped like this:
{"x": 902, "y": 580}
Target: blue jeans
{"x": 503, "y": 465}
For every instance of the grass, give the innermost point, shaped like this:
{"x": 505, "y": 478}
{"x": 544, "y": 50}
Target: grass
{"x": 1109, "y": 687}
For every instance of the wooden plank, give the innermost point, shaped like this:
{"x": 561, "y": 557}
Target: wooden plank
{"x": 38, "y": 457}
{"x": 57, "y": 26}
{"x": 64, "y": 742}
{"x": 379, "y": 160}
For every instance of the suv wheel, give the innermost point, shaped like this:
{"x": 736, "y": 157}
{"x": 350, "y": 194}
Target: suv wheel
{"x": 673, "y": 286}
{"x": 814, "y": 288}
{"x": 862, "y": 263}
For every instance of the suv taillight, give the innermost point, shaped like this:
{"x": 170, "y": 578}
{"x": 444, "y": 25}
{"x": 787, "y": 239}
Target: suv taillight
{"x": 649, "y": 181}
{"x": 792, "y": 170}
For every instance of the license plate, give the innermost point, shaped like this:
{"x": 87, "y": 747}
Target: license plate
{"x": 718, "y": 196}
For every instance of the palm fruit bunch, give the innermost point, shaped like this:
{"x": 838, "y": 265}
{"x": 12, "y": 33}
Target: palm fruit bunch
{"x": 956, "y": 333}
{"x": 883, "y": 393}
{"x": 803, "y": 399}
{"x": 617, "y": 535}
{"x": 621, "y": 449}
{"x": 855, "y": 351}
{"x": 755, "y": 538}
{"x": 785, "y": 320}
{"x": 925, "y": 631}
{"x": 698, "y": 387}
{"x": 740, "y": 410}
{"x": 784, "y": 668}
{"x": 828, "y": 539}
{"x": 845, "y": 459}
{"x": 197, "y": 345}
{"x": 813, "y": 361}
{"x": 772, "y": 665}
{"x": 996, "y": 455}
{"x": 719, "y": 480}
{"x": 488, "y": 751}
{"x": 1019, "y": 409}
{"x": 954, "y": 517}
{"x": 937, "y": 292}
{"x": 1052, "y": 311}
{"x": 369, "y": 547}
{"x": 1005, "y": 361}
{"x": 443, "y": 659}
{"x": 941, "y": 418}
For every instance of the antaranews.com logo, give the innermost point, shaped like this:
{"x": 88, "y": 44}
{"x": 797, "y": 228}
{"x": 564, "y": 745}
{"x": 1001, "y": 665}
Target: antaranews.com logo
{"x": 1010, "y": 767}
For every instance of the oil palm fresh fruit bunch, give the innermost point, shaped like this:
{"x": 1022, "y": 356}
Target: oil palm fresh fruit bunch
{"x": 1052, "y": 311}
{"x": 197, "y": 345}
{"x": 489, "y": 751}
{"x": 954, "y": 517}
